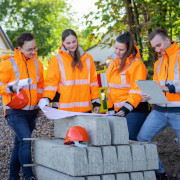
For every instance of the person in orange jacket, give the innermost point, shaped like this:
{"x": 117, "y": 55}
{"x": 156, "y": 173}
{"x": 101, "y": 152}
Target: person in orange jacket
{"x": 124, "y": 95}
{"x": 167, "y": 75}
{"x": 22, "y": 65}
{"x": 71, "y": 79}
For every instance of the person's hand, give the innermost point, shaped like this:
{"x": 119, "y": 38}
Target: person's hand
{"x": 15, "y": 86}
{"x": 164, "y": 88}
{"x": 121, "y": 113}
{"x": 43, "y": 102}
{"x": 145, "y": 97}
{"x": 96, "y": 109}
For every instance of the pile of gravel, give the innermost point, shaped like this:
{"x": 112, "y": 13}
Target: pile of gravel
{"x": 166, "y": 141}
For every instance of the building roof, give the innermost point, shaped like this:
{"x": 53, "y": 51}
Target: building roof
{"x": 102, "y": 51}
{"x": 5, "y": 43}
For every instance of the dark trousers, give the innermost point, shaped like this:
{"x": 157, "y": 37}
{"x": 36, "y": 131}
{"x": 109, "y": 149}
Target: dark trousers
{"x": 23, "y": 125}
{"x": 134, "y": 121}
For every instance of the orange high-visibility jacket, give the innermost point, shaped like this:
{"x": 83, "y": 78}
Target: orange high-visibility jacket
{"x": 167, "y": 72}
{"x": 16, "y": 67}
{"x": 122, "y": 88}
{"x": 77, "y": 88}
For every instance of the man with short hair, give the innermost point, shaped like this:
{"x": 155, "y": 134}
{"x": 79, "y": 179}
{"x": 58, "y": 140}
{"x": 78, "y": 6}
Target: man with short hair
{"x": 167, "y": 75}
{"x": 22, "y": 119}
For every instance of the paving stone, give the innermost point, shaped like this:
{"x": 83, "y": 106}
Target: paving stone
{"x": 44, "y": 173}
{"x": 97, "y": 127}
{"x": 138, "y": 157}
{"x": 136, "y": 176}
{"x": 124, "y": 158}
{"x": 122, "y": 176}
{"x": 151, "y": 156}
{"x": 108, "y": 177}
{"x": 93, "y": 178}
{"x": 95, "y": 160}
{"x": 149, "y": 175}
{"x": 110, "y": 159}
{"x": 63, "y": 158}
{"x": 119, "y": 130}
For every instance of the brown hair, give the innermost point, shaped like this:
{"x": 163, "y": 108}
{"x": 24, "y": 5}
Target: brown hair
{"x": 127, "y": 39}
{"x": 26, "y": 36}
{"x": 76, "y": 57}
{"x": 160, "y": 32}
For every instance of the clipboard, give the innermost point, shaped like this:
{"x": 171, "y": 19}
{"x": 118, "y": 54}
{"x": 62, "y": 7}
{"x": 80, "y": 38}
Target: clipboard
{"x": 152, "y": 89}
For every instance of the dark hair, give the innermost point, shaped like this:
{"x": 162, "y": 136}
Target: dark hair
{"x": 127, "y": 39}
{"x": 26, "y": 36}
{"x": 160, "y": 32}
{"x": 76, "y": 58}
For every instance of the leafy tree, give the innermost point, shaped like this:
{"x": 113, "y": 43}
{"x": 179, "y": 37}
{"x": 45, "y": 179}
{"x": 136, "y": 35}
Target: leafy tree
{"x": 45, "y": 19}
{"x": 140, "y": 17}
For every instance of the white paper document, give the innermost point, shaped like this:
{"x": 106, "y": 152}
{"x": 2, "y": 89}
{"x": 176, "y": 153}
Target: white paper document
{"x": 21, "y": 83}
{"x": 53, "y": 113}
{"x": 152, "y": 89}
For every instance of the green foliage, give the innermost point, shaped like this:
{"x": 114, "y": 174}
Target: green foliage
{"x": 45, "y": 19}
{"x": 140, "y": 17}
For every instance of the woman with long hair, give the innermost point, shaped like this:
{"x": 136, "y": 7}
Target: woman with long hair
{"x": 71, "y": 79}
{"x": 124, "y": 95}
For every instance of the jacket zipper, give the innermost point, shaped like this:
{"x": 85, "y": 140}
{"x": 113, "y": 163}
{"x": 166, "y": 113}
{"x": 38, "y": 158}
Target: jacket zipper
{"x": 29, "y": 85}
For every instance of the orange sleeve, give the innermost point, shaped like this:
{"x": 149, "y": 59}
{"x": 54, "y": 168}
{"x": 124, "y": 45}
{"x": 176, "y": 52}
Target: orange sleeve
{"x": 52, "y": 79}
{"x": 138, "y": 72}
{"x": 94, "y": 87}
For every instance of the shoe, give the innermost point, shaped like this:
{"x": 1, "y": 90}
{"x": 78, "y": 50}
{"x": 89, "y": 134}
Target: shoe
{"x": 161, "y": 176}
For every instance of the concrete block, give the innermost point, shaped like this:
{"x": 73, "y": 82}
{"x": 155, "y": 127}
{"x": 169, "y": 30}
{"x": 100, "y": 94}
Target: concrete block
{"x": 138, "y": 157}
{"x": 109, "y": 159}
{"x": 119, "y": 130}
{"x": 97, "y": 127}
{"x": 122, "y": 176}
{"x": 93, "y": 178}
{"x": 124, "y": 158}
{"x": 95, "y": 160}
{"x": 63, "y": 158}
{"x": 136, "y": 176}
{"x": 149, "y": 175}
{"x": 43, "y": 173}
{"x": 108, "y": 177}
{"x": 151, "y": 156}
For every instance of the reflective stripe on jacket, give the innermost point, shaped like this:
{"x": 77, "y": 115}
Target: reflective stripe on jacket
{"x": 167, "y": 72}
{"x": 76, "y": 87}
{"x": 122, "y": 88}
{"x": 17, "y": 68}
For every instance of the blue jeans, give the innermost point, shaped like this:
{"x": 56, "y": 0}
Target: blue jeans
{"x": 134, "y": 122}
{"x": 23, "y": 125}
{"x": 155, "y": 123}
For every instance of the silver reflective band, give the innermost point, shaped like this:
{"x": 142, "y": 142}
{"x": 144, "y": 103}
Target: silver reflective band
{"x": 75, "y": 104}
{"x": 51, "y": 88}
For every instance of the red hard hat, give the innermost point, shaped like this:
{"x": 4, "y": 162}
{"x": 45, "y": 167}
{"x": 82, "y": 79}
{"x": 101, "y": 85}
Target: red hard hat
{"x": 76, "y": 133}
{"x": 20, "y": 101}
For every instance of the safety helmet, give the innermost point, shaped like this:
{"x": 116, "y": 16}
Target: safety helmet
{"x": 20, "y": 100}
{"x": 75, "y": 134}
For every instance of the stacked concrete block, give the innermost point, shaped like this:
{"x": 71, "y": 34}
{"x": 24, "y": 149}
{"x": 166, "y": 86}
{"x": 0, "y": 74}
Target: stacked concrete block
{"x": 151, "y": 156}
{"x": 124, "y": 158}
{"x": 138, "y": 157}
{"x": 109, "y": 155}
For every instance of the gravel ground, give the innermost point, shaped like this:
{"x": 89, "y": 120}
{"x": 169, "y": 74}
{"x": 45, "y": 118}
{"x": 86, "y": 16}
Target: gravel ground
{"x": 166, "y": 141}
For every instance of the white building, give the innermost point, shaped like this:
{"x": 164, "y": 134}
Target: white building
{"x": 102, "y": 51}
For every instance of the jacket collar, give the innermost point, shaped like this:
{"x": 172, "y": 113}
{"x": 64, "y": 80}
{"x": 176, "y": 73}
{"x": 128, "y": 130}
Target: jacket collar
{"x": 173, "y": 48}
